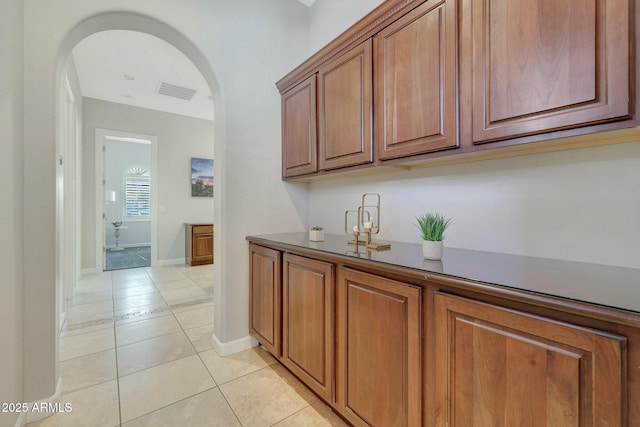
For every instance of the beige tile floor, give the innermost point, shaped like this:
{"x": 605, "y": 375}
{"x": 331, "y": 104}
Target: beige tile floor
{"x": 136, "y": 351}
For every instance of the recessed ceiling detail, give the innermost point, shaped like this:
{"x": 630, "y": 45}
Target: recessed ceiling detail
{"x": 176, "y": 91}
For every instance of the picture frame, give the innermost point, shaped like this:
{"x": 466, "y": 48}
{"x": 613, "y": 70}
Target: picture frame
{"x": 202, "y": 181}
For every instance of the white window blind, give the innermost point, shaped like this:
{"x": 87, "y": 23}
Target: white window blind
{"x": 137, "y": 193}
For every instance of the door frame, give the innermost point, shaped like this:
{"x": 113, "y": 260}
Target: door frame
{"x": 100, "y": 135}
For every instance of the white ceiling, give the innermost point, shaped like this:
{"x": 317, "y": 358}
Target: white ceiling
{"x": 106, "y": 61}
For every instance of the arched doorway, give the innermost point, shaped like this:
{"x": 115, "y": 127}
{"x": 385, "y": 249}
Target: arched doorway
{"x": 42, "y": 312}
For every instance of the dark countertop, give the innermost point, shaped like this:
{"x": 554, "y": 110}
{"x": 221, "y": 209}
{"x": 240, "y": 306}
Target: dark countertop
{"x": 609, "y": 286}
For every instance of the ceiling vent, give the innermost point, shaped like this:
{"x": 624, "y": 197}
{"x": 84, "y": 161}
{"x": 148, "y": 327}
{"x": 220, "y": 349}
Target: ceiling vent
{"x": 176, "y": 91}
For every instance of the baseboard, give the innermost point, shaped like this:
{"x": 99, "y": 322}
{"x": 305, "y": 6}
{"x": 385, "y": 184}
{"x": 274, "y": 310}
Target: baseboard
{"x": 227, "y": 348}
{"x": 129, "y": 245}
{"x": 63, "y": 316}
{"x": 21, "y": 421}
{"x": 88, "y": 271}
{"x": 49, "y": 402}
{"x": 176, "y": 261}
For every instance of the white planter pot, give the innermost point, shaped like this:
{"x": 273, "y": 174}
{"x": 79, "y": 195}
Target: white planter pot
{"x": 316, "y": 235}
{"x": 432, "y": 250}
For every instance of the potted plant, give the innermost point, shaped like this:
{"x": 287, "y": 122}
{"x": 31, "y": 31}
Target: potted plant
{"x": 432, "y": 227}
{"x": 316, "y": 234}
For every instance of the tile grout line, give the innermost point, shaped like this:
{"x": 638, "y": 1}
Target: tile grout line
{"x": 127, "y": 316}
{"x": 115, "y": 343}
{"x": 230, "y": 407}
{"x": 114, "y": 319}
{"x": 196, "y": 353}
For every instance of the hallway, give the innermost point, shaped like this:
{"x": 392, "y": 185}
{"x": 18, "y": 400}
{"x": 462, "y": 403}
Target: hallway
{"x": 136, "y": 350}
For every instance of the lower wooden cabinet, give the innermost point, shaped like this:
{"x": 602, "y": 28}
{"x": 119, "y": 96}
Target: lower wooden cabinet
{"x": 265, "y": 286}
{"x": 198, "y": 244}
{"x": 499, "y": 367}
{"x": 378, "y": 361}
{"x": 307, "y": 322}
{"x": 383, "y": 352}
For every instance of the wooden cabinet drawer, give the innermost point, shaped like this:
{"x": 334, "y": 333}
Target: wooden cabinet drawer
{"x": 202, "y": 229}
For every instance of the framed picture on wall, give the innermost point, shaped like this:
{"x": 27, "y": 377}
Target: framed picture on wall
{"x": 201, "y": 177}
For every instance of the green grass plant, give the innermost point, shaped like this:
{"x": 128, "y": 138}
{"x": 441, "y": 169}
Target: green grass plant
{"x": 432, "y": 226}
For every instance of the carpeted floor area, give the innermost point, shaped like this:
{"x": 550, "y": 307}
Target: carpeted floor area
{"x": 128, "y": 258}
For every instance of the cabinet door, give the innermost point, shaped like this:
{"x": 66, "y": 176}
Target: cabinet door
{"x": 264, "y": 297}
{"x": 203, "y": 247}
{"x": 378, "y": 350}
{"x": 307, "y": 322}
{"x": 416, "y": 75}
{"x": 539, "y": 65}
{"x": 498, "y": 367}
{"x": 299, "y": 129}
{"x": 344, "y": 103}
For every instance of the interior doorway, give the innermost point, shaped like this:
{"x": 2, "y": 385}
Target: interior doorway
{"x": 126, "y": 214}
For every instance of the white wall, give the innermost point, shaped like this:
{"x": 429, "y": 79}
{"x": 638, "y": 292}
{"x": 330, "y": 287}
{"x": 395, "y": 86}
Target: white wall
{"x": 581, "y": 205}
{"x": 120, "y": 156}
{"x": 258, "y": 43}
{"x": 179, "y": 139}
{"x": 242, "y": 47}
{"x": 329, "y": 18}
{"x": 11, "y": 199}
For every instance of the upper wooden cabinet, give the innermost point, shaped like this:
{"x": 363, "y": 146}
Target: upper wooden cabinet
{"x": 299, "y": 129}
{"x": 502, "y": 367}
{"x": 344, "y": 109}
{"x": 415, "y": 82}
{"x": 531, "y": 66}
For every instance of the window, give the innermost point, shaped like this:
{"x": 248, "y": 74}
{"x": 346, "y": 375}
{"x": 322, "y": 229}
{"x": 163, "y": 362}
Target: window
{"x": 137, "y": 194}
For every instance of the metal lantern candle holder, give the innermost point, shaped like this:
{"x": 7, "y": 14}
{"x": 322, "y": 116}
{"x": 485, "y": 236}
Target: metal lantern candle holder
{"x": 367, "y": 222}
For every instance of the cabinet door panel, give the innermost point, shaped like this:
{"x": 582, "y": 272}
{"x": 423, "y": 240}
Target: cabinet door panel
{"x": 378, "y": 357}
{"x": 540, "y": 65}
{"x": 299, "y": 129}
{"x": 203, "y": 247}
{"x": 415, "y": 72}
{"x": 307, "y": 316}
{"x": 344, "y": 91}
{"x": 265, "y": 296}
{"x": 501, "y": 367}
